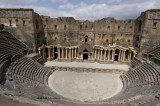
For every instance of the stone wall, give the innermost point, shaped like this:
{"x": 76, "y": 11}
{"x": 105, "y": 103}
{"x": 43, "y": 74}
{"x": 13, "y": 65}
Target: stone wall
{"x": 34, "y": 30}
{"x": 87, "y": 70}
{"x": 147, "y": 30}
{"x": 22, "y": 24}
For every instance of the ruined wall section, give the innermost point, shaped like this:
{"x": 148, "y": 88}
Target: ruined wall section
{"x": 109, "y": 31}
{"x": 104, "y": 32}
{"x": 39, "y": 35}
{"x": 61, "y": 31}
{"x": 18, "y": 22}
{"x": 148, "y": 31}
{"x": 21, "y": 23}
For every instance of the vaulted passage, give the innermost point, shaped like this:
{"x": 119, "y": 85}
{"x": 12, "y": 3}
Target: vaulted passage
{"x": 85, "y": 55}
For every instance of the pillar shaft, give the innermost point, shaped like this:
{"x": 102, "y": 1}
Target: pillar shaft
{"x": 62, "y": 53}
{"x": 104, "y": 55}
{"x": 44, "y": 56}
{"x": 66, "y": 53}
{"x": 108, "y": 55}
{"x": 58, "y": 53}
{"x": 101, "y": 54}
{"x": 98, "y": 54}
{"x": 53, "y": 53}
{"x": 95, "y": 53}
{"x": 39, "y": 50}
{"x": 70, "y": 55}
{"x": 49, "y": 52}
{"x": 75, "y": 52}
{"x": 124, "y": 56}
{"x": 112, "y": 55}
{"x": 119, "y": 55}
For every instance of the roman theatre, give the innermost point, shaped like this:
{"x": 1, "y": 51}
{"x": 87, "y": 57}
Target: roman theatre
{"x": 62, "y": 61}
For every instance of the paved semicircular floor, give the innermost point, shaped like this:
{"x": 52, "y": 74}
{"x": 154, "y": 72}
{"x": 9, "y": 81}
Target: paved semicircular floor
{"x": 85, "y": 86}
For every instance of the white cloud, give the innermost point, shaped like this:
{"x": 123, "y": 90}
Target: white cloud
{"x": 84, "y": 11}
{"x": 126, "y": 1}
{"x": 61, "y": 1}
{"x": 18, "y": 1}
{"x": 68, "y": 5}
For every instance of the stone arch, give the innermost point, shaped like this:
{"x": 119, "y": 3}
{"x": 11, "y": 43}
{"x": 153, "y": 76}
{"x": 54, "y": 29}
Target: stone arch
{"x": 86, "y": 39}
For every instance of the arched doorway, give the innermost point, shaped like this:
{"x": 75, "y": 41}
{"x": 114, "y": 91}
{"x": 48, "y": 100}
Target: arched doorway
{"x": 55, "y": 53}
{"x": 85, "y": 55}
{"x": 116, "y": 55}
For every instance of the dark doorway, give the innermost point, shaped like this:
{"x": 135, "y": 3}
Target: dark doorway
{"x": 86, "y": 38}
{"x": 1, "y": 26}
{"x": 116, "y": 55}
{"x": 46, "y": 51}
{"x": 116, "y": 58}
{"x": 85, "y": 55}
{"x": 55, "y": 53}
{"x": 117, "y": 51}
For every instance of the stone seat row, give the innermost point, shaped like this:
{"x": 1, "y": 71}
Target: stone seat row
{"x": 13, "y": 41}
{"x": 144, "y": 74}
{"x": 155, "y": 50}
{"x": 35, "y": 89}
{"x": 157, "y": 56}
{"x": 29, "y": 69}
{"x": 7, "y": 51}
{"x": 134, "y": 63}
{"x": 38, "y": 58}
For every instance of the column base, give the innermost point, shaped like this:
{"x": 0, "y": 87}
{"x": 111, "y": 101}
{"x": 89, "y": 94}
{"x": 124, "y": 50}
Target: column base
{"x": 49, "y": 59}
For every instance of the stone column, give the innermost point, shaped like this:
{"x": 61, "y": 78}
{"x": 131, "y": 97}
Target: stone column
{"x": 39, "y": 50}
{"x": 108, "y": 55}
{"x": 98, "y": 54}
{"x": 134, "y": 54}
{"x": 75, "y": 52}
{"x": 113, "y": 52}
{"x": 72, "y": 53}
{"x": 124, "y": 55}
{"x": 119, "y": 55}
{"x": 104, "y": 55}
{"x": 62, "y": 53}
{"x": 129, "y": 57}
{"x": 53, "y": 52}
{"x": 66, "y": 53}
{"x": 44, "y": 56}
{"x": 101, "y": 54}
{"x": 95, "y": 53}
{"x": 58, "y": 53}
{"x": 49, "y": 53}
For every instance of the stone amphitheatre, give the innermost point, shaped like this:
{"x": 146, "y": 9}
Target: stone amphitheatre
{"x": 62, "y": 61}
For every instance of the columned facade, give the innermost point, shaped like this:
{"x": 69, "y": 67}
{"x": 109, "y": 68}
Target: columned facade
{"x": 100, "y": 54}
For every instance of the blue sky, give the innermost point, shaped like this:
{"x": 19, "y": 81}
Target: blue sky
{"x": 85, "y": 9}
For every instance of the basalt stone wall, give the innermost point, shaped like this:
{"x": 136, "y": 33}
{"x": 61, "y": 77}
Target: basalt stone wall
{"x": 25, "y": 25}
{"x": 147, "y": 30}
{"x": 99, "y": 32}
